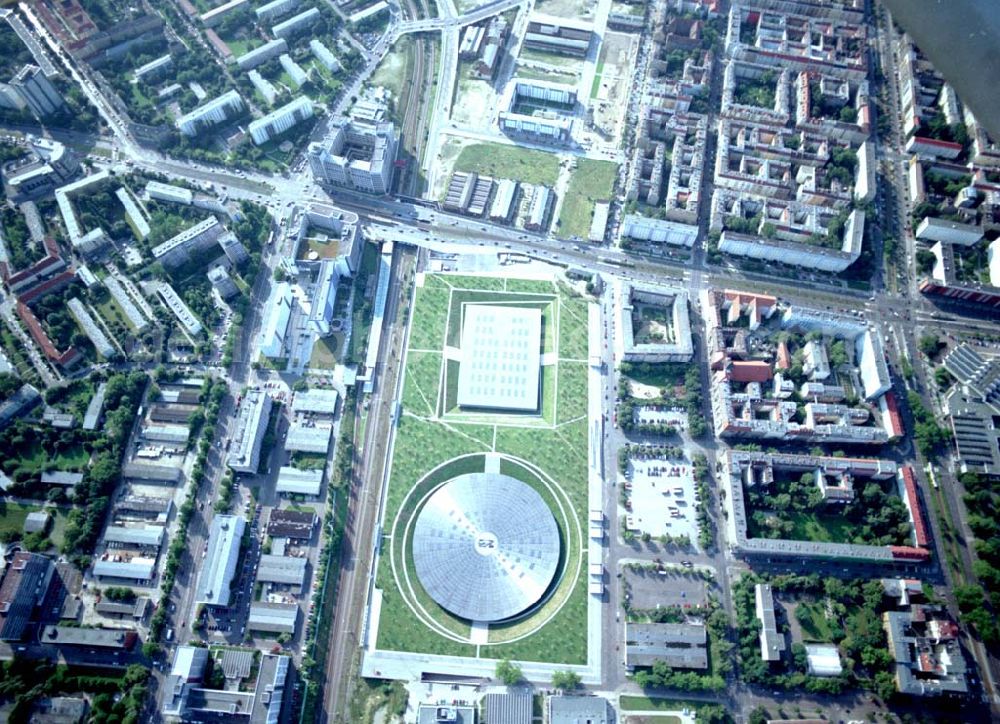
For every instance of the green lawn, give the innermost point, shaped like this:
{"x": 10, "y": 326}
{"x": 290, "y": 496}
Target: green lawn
{"x": 812, "y": 617}
{"x": 13, "y": 515}
{"x": 592, "y": 181}
{"x": 423, "y": 442}
{"x": 324, "y": 352}
{"x": 647, "y": 703}
{"x": 394, "y": 70}
{"x": 818, "y": 527}
{"x": 502, "y": 161}
{"x": 38, "y": 460}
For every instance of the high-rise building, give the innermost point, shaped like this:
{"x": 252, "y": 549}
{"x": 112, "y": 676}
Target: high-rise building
{"x": 208, "y": 114}
{"x": 37, "y": 91}
{"x": 358, "y": 156}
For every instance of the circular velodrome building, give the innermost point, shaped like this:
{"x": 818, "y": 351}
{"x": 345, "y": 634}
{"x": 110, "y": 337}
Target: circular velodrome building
{"x": 485, "y": 546}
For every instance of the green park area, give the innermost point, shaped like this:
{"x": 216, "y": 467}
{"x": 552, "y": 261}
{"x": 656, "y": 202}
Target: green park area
{"x": 546, "y": 450}
{"x": 592, "y": 181}
{"x": 814, "y": 620}
{"x": 500, "y": 160}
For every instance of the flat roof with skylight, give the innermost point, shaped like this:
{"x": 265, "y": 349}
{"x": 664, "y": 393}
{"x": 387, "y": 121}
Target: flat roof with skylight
{"x": 500, "y": 358}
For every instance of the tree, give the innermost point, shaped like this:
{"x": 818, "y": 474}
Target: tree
{"x": 758, "y": 716}
{"x": 565, "y": 680}
{"x": 510, "y": 674}
{"x": 930, "y": 344}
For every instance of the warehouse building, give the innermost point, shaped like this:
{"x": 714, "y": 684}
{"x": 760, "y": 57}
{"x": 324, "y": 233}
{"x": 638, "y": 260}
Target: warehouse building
{"x": 219, "y": 565}
{"x": 292, "y": 481}
{"x": 251, "y": 424}
{"x": 273, "y": 617}
{"x": 282, "y": 570}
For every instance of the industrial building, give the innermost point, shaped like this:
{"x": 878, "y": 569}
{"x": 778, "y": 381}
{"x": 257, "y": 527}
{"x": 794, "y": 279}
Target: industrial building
{"x": 282, "y": 570}
{"x": 120, "y": 565}
{"x": 25, "y": 581}
{"x": 292, "y": 481}
{"x": 569, "y": 709}
{"x": 274, "y": 328}
{"x": 500, "y": 366}
{"x": 148, "y": 473}
{"x": 313, "y": 439}
{"x": 293, "y": 524}
{"x": 251, "y": 424}
{"x": 145, "y": 536}
{"x": 219, "y": 110}
{"x": 281, "y": 119}
{"x": 219, "y": 564}
{"x": 273, "y": 617}
{"x": 565, "y": 36}
{"x": 315, "y": 401}
{"x": 93, "y": 638}
{"x": 972, "y": 406}
{"x": 679, "y": 645}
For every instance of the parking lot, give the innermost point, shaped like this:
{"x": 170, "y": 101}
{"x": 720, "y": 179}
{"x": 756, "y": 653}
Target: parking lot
{"x": 651, "y": 589}
{"x": 662, "y": 499}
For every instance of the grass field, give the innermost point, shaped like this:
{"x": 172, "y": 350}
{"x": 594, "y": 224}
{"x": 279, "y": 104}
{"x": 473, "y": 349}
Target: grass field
{"x": 394, "y": 70}
{"x": 13, "y": 515}
{"x": 502, "y": 161}
{"x": 592, "y": 181}
{"x": 555, "y": 445}
{"x": 648, "y": 703}
{"x": 812, "y": 617}
{"x": 822, "y": 528}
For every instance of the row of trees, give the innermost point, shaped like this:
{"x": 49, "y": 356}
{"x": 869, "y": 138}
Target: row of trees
{"x": 978, "y": 603}
{"x": 931, "y": 437}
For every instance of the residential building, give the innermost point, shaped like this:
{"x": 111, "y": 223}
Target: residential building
{"x": 672, "y": 341}
{"x": 219, "y": 565}
{"x": 951, "y": 232}
{"x": 179, "y": 248}
{"x": 772, "y": 641}
{"x": 251, "y": 423}
{"x": 37, "y": 92}
{"x": 264, "y": 86}
{"x": 926, "y": 652}
{"x": 296, "y": 24}
{"x": 90, "y": 327}
{"x": 134, "y": 215}
{"x": 222, "y": 282}
{"x": 218, "y": 110}
{"x": 125, "y": 302}
{"x": 281, "y": 119}
{"x": 258, "y": 56}
{"x": 180, "y": 310}
{"x": 155, "y": 69}
{"x": 275, "y": 9}
{"x": 168, "y": 192}
{"x": 325, "y": 56}
{"x": 658, "y": 231}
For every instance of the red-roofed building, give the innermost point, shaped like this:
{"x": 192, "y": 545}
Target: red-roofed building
{"x": 42, "y": 269}
{"x": 64, "y": 359}
{"x": 891, "y": 419}
{"x": 784, "y": 359}
{"x": 749, "y": 371}
{"x": 49, "y": 286}
{"x": 912, "y": 501}
{"x": 933, "y": 148}
{"x": 909, "y": 553}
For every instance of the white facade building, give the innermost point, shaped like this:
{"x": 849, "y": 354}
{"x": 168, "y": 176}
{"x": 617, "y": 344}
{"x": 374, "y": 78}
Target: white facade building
{"x": 216, "y": 111}
{"x": 251, "y": 424}
{"x": 219, "y": 565}
{"x": 281, "y": 119}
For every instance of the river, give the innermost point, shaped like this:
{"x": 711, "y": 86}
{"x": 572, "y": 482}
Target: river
{"x": 962, "y": 39}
